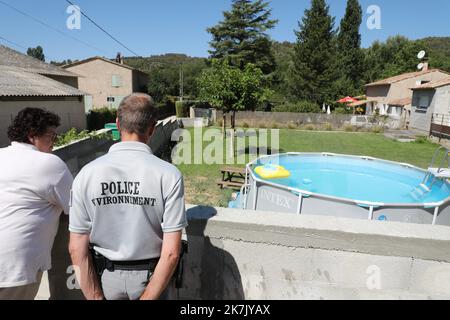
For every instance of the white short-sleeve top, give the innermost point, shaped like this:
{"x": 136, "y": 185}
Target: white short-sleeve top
{"x": 34, "y": 190}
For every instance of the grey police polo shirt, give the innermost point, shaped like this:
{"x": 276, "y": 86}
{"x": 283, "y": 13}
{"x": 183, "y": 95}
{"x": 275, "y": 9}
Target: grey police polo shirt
{"x": 126, "y": 200}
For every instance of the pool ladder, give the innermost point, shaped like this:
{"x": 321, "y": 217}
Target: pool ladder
{"x": 434, "y": 174}
{"x": 245, "y": 188}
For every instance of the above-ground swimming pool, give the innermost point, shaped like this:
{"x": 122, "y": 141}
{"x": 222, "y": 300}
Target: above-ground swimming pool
{"x": 346, "y": 186}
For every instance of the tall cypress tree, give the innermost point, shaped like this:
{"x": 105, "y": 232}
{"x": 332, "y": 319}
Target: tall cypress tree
{"x": 314, "y": 57}
{"x": 240, "y": 37}
{"x": 350, "y": 54}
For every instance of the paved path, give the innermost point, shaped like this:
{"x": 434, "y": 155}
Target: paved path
{"x": 403, "y": 135}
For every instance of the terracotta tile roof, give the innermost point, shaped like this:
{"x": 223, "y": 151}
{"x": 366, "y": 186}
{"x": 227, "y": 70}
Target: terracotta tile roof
{"x": 433, "y": 84}
{"x": 401, "y": 102}
{"x": 103, "y": 59}
{"x": 402, "y": 77}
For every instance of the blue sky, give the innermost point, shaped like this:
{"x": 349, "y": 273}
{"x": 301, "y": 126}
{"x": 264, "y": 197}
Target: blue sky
{"x": 151, "y": 27}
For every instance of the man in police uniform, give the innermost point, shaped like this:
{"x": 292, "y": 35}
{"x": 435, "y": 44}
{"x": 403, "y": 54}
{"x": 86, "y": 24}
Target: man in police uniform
{"x": 129, "y": 207}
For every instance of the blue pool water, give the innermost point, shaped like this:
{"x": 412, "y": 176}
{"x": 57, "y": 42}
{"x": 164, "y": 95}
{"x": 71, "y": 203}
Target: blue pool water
{"x": 355, "y": 178}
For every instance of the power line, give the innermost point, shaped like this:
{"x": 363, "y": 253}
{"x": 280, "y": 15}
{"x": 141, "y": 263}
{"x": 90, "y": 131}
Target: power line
{"x": 23, "y": 47}
{"x": 51, "y": 27}
{"x": 13, "y": 43}
{"x": 106, "y": 32}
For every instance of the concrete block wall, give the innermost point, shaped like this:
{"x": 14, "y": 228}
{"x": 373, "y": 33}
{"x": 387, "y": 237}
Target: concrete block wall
{"x": 235, "y": 254}
{"x": 210, "y": 114}
{"x": 78, "y": 154}
{"x": 241, "y": 255}
{"x": 254, "y": 119}
{"x": 194, "y": 122}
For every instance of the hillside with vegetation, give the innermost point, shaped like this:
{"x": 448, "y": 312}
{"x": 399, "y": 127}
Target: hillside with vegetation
{"x": 164, "y": 74}
{"x": 439, "y": 49}
{"x": 325, "y": 63}
{"x": 383, "y": 59}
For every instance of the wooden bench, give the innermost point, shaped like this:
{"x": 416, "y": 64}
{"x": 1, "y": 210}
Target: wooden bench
{"x": 232, "y": 177}
{"x": 232, "y": 185}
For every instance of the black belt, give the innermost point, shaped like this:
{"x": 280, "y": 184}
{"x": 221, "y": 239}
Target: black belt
{"x": 138, "y": 265}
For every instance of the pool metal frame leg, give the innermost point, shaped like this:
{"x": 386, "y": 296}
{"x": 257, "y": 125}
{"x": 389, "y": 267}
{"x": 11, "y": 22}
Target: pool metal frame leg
{"x": 436, "y": 212}
{"x": 255, "y": 197}
{"x": 371, "y": 213}
{"x": 300, "y": 203}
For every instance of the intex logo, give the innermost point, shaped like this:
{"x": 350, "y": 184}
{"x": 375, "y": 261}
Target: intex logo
{"x": 276, "y": 199}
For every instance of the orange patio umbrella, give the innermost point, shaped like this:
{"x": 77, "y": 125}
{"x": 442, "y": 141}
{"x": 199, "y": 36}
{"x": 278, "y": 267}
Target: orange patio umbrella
{"x": 348, "y": 100}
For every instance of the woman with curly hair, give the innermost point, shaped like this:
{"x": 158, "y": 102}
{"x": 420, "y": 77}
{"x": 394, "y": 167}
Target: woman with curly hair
{"x": 34, "y": 190}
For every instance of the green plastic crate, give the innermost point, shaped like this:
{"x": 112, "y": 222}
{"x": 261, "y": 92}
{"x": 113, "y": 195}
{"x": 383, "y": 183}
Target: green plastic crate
{"x": 115, "y": 131}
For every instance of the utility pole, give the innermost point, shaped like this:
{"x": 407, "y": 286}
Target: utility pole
{"x": 181, "y": 82}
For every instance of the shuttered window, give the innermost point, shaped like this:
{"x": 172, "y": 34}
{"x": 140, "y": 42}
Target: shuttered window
{"x": 116, "y": 81}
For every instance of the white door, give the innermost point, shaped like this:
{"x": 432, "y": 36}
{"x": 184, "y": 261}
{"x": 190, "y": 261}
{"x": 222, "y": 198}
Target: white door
{"x": 87, "y": 103}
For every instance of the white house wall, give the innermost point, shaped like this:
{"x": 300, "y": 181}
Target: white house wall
{"x": 421, "y": 118}
{"x": 442, "y": 102}
{"x": 70, "y": 109}
{"x": 96, "y": 79}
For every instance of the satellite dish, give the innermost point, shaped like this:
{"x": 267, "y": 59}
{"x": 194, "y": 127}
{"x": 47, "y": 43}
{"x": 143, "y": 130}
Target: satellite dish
{"x": 420, "y": 66}
{"x": 421, "y": 54}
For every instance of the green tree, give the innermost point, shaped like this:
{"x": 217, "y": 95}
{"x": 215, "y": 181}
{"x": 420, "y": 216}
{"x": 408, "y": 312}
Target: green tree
{"x": 314, "y": 66}
{"x": 241, "y": 37}
{"x": 62, "y": 63}
{"x": 37, "y": 53}
{"x": 230, "y": 89}
{"x": 283, "y": 52}
{"x": 164, "y": 74}
{"x": 438, "y": 52}
{"x": 350, "y": 56}
{"x": 396, "y": 56}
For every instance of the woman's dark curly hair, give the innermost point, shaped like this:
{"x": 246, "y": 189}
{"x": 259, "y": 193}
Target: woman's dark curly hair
{"x": 32, "y": 122}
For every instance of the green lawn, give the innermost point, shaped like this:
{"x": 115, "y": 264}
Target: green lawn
{"x": 200, "y": 180}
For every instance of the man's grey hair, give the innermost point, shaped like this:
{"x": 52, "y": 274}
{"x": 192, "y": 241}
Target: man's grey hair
{"x": 137, "y": 113}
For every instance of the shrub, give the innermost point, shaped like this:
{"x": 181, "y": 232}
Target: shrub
{"x": 262, "y": 125}
{"x": 328, "y": 126}
{"x": 166, "y": 109}
{"x": 421, "y": 139}
{"x": 202, "y": 105}
{"x": 181, "y": 107}
{"x": 377, "y": 129}
{"x": 73, "y": 135}
{"x": 97, "y": 118}
{"x": 69, "y": 136}
{"x": 274, "y": 125}
{"x": 343, "y": 110}
{"x": 378, "y": 119}
{"x": 245, "y": 125}
{"x": 349, "y": 128}
{"x": 298, "y": 107}
{"x": 310, "y": 127}
{"x": 292, "y": 125}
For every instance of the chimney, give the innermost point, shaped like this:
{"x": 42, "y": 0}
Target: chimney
{"x": 426, "y": 65}
{"x": 119, "y": 58}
